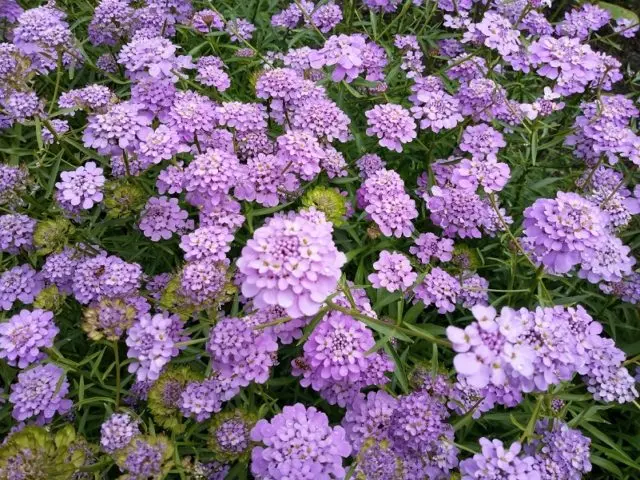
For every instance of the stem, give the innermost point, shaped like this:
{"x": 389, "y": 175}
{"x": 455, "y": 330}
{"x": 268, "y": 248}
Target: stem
{"x": 57, "y": 87}
{"x": 116, "y": 354}
{"x": 532, "y": 421}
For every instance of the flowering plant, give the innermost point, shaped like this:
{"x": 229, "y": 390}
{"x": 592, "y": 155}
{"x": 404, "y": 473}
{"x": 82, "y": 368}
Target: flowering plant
{"x": 370, "y": 239}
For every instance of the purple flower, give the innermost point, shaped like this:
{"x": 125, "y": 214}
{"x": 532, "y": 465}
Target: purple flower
{"x": 369, "y": 164}
{"x": 436, "y": 110}
{"x": 459, "y": 212}
{"x": 279, "y": 83}
{"x": 207, "y": 242}
{"x": 626, "y": 27}
{"x": 496, "y": 32}
{"x": 393, "y": 272}
{"x": 203, "y": 281}
{"x": 162, "y": 217}
{"x": 241, "y": 354}
{"x": 39, "y": 392}
{"x": 383, "y": 197}
{"x": 240, "y": 29}
{"x": 242, "y": 117}
{"x": 160, "y": 144}
{"x": 481, "y": 98}
{"x": 608, "y": 260}
{"x": 382, "y": 5}
{"x": 428, "y": 246}
{"x": 81, "y": 187}
{"x": 334, "y": 163}
{"x": 111, "y": 22}
{"x": 16, "y": 233}
{"x": 559, "y": 229}
{"x": 191, "y": 115}
{"x": 369, "y": 417}
{"x": 302, "y": 151}
{"x": 580, "y": 22}
{"x": 211, "y": 73}
{"x": 291, "y": 262}
{"x": 326, "y": 17}
{"x": 488, "y": 173}
{"x": 144, "y": 458}
{"x": 153, "y": 57}
{"x": 336, "y": 351}
{"x": 116, "y": 130}
{"x": 440, "y": 289}
{"x": 267, "y": 180}
{"x": 200, "y": 400}
{"x": 392, "y": 124}
{"x": 21, "y": 283}
{"x": 323, "y": 119}
{"x": 497, "y": 462}
{"x": 206, "y": 21}
{"x": 58, "y": 268}
{"x": 560, "y": 451}
{"x": 117, "y": 431}
{"x": 24, "y": 335}
{"x": 344, "y": 53}
{"x": 210, "y": 175}
{"x": 156, "y": 94}
{"x": 298, "y": 443}
{"x": 474, "y": 291}
{"x": 22, "y": 106}
{"x": 481, "y": 140}
{"x": 110, "y": 317}
{"x": 152, "y": 344}
{"x": 291, "y": 16}
{"x": 105, "y": 276}
{"x": 60, "y": 127}
{"x": 229, "y": 435}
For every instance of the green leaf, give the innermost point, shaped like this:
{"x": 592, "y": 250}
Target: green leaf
{"x": 606, "y": 464}
{"x": 619, "y": 12}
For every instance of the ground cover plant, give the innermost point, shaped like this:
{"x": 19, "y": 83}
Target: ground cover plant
{"x": 368, "y": 239}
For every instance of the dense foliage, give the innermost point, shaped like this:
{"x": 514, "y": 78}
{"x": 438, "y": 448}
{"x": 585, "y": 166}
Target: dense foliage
{"x": 369, "y": 239}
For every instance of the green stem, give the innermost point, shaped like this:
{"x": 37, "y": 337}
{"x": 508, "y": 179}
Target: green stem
{"x": 56, "y": 89}
{"x": 116, "y": 354}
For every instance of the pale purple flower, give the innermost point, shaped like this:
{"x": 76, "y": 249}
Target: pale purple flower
{"x": 152, "y": 343}
{"x": 436, "y": 110}
{"x": 243, "y": 117}
{"x": 626, "y": 27}
{"x": 210, "y": 175}
{"x": 82, "y": 187}
{"x": 239, "y": 29}
{"x": 428, "y": 246}
{"x": 344, "y": 53}
{"x": 481, "y": 140}
{"x": 16, "y": 233}
{"x": 302, "y": 151}
{"x": 21, "y": 283}
{"x": 393, "y": 272}
{"x": 580, "y": 22}
{"x": 207, "y": 242}
{"x": 160, "y": 144}
{"x": 440, "y": 289}
{"x": 162, "y": 217}
{"x": 322, "y": 118}
{"x": 24, "y": 335}
{"x": 117, "y": 431}
{"x": 497, "y": 462}
{"x": 369, "y": 164}
{"x": 105, "y": 276}
{"x": 290, "y": 262}
{"x": 266, "y": 180}
{"x": 211, "y": 73}
{"x": 488, "y": 173}
{"x": 298, "y": 443}
{"x": 111, "y": 22}
{"x": 39, "y": 392}
{"x": 326, "y": 17}
{"x": 392, "y": 124}
{"x": 206, "y": 21}
{"x": 203, "y": 281}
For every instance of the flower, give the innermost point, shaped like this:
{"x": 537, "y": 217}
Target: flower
{"x": 496, "y": 462}
{"x": 322, "y": 118}
{"x": 302, "y": 151}
{"x": 160, "y": 144}
{"x": 105, "y": 276}
{"x": 39, "y": 392}
{"x": 368, "y": 418}
{"x": 24, "y": 335}
{"x": 392, "y": 124}
{"x": 145, "y": 457}
{"x": 211, "y": 174}
{"x": 298, "y": 443}
{"x": 117, "y": 431}
{"x": 344, "y": 53}
{"x": 229, "y": 435}
{"x": 240, "y": 29}
{"x": 201, "y": 399}
{"x": 165, "y": 396}
{"x": 487, "y": 173}
{"x": 19, "y": 283}
{"x": 16, "y": 233}
{"x": 481, "y": 140}
{"x": 241, "y": 354}
{"x": 109, "y": 318}
{"x": 211, "y": 73}
{"x": 428, "y": 246}
{"x": 91, "y": 98}
{"x": 393, "y": 272}
{"x": 383, "y": 197}
{"x": 207, "y": 20}
{"x": 559, "y": 229}
{"x": 82, "y": 187}
{"x": 243, "y": 117}
{"x": 116, "y": 130}
{"x": 162, "y": 217}
{"x": 152, "y": 344}
{"x": 474, "y": 291}
{"x": 152, "y": 57}
{"x": 369, "y": 164}
{"x": 191, "y": 115}
{"x": 202, "y": 282}
{"x": 626, "y": 27}
{"x": 267, "y": 180}
{"x": 436, "y": 110}
{"x": 580, "y": 22}
{"x": 291, "y": 262}
{"x": 21, "y": 106}
{"x": 111, "y": 21}
{"x": 440, "y": 289}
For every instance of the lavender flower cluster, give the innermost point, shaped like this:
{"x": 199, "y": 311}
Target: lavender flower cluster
{"x": 288, "y": 242}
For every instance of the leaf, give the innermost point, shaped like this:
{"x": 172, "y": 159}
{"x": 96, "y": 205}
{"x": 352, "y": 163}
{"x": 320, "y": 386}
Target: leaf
{"x": 619, "y": 12}
{"x": 606, "y": 464}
